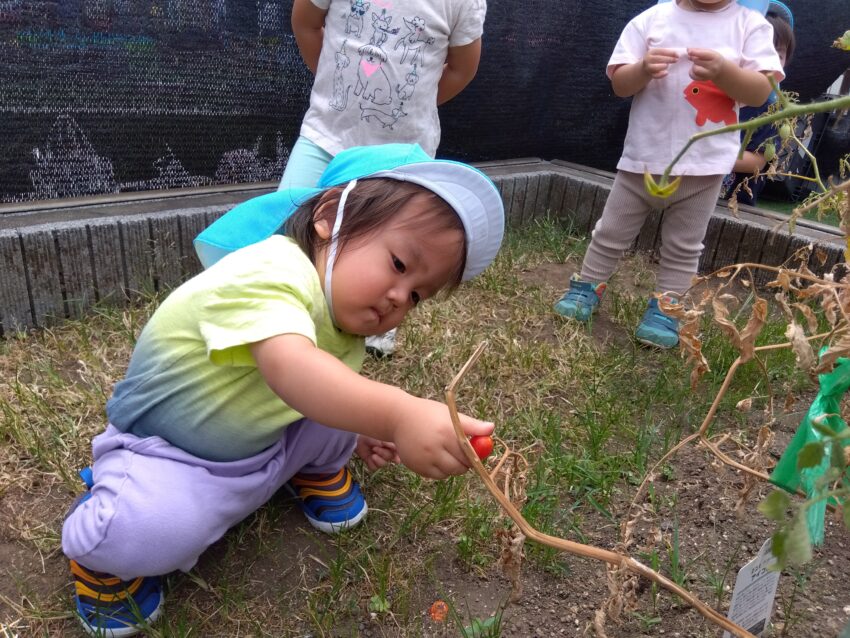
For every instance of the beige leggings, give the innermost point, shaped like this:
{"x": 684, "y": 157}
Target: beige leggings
{"x": 683, "y": 225}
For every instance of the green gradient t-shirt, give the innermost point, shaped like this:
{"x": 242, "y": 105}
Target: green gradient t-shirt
{"x": 192, "y": 379}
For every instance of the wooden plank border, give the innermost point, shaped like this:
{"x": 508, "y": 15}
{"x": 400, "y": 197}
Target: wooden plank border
{"x": 16, "y": 311}
{"x": 54, "y": 271}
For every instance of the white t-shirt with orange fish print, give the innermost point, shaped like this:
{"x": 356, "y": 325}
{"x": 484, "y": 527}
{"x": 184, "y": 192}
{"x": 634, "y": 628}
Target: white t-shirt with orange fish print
{"x": 670, "y": 110}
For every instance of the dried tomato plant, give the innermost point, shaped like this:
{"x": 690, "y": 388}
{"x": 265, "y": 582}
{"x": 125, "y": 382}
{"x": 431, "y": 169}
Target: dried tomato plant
{"x": 619, "y": 561}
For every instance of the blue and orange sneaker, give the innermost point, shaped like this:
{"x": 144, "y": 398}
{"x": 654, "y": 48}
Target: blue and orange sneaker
{"x": 106, "y": 605}
{"x": 110, "y": 607}
{"x": 581, "y": 299}
{"x": 657, "y": 329}
{"x": 331, "y": 502}
{"x": 87, "y": 477}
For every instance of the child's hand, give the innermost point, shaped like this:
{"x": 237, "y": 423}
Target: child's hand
{"x": 656, "y": 62}
{"x": 375, "y": 453}
{"x": 707, "y": 63}
{"x": 426, "y": 440}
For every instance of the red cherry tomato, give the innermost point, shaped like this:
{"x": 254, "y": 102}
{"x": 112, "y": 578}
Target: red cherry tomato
{"x": 483, "y": 446}
{"x": 439, "y": 611}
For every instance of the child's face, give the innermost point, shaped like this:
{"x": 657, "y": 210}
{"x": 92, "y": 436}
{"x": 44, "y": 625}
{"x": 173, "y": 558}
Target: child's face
{"x": 378, "y": 279}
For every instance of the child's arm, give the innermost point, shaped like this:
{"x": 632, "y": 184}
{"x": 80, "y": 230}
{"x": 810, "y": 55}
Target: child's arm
{"x": 460, "y": 67}
{"x": 750, "y": 162}
{"x": 308, "y": 27}
{"x": 742, "y": 85}
{"x": 319, "y": 386}
{"x": 628, "y": 79}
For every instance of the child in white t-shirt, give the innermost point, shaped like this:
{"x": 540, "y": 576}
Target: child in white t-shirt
{"x": 380, "y": 70}
{"x": 688, "y": 64}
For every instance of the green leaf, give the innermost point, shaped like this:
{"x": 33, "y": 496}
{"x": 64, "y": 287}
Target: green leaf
{"x": 480, "y": 628}
{"x": 843, "y": 42}
{"x": 777, "y": 548}
{"x": 837, "y": 456}
{"x": 810, "y": 456}
{"x": 775, "y": 505}
{"x": 379, "y": 604}
{"x": 823, "y": 429}
{"x": 798, "y": 544}
{"x": 847, "y": 514}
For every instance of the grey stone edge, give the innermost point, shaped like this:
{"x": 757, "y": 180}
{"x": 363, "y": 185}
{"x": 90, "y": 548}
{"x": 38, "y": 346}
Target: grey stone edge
{"x": 58, "y": 264}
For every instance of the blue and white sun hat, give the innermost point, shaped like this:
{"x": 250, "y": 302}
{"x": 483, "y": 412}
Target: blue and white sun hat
{"x": 471, "y": 194}
{"x": 782, "y": 10}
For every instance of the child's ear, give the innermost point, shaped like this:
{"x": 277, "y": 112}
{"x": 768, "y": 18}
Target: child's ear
{"x": 322, "y": 228}
{"x": 323, "y": 216}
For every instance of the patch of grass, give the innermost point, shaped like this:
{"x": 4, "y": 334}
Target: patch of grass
{"x": 719, "y": 580}
{"x": 476, "y": 529}
{"x": 590, "y": 418}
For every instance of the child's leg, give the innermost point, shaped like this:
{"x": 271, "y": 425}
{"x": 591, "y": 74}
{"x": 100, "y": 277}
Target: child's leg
{"x": 307, "y": 161}
{"x": 155, "y": 508}
{"x": 326, "y": 491}
{"x": 313, "y": 448}
{"x": 625, "y": 211}
{"x": 683, "y": 228}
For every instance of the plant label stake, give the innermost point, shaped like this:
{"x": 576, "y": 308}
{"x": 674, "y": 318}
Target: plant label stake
{"x": 755, "y": 589}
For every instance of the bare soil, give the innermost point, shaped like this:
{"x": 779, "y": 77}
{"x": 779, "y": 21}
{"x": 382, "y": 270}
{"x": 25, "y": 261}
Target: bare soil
{"x": 292, "y": 557}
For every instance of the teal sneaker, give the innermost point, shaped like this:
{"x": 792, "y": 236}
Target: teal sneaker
{"x": 581, "y": 300}
{"x": 657, "y": 329}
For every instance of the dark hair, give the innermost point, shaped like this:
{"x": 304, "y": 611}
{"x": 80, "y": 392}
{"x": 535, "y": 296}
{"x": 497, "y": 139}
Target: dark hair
{"x": 371, "y": 204}
{"x": 783, "y": 34}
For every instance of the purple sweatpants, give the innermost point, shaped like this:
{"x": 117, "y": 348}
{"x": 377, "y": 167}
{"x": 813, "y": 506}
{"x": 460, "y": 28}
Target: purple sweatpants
{"x": 155, "y": 508}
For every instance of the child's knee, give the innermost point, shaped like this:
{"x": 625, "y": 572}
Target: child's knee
{"x": 314, "y": 447}
{"x": 127, "y": 542}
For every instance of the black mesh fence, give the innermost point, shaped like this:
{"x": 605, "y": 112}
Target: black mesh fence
{"x": 101, "y": 96}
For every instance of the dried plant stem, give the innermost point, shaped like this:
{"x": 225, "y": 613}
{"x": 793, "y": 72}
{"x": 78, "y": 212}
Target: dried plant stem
{"x": 700, "y": 434}
{"x": 728, "y": 461}
{"x": 712, "y": 411}
{"x": 505, "y": 456}
{"x": 844, "y": 186}
{"x": 588, "y": 551}
{"x": 840, "y": 306}
{"x": 777, "y": 269}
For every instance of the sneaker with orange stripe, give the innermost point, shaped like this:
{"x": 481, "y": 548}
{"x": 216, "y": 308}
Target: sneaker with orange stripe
{"x": 331, "y": 502}
{"x": 110, "y": 607}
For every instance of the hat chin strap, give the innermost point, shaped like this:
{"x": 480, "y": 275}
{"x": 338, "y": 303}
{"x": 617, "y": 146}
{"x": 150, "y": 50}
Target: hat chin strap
{"x": 332, "y": 252}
